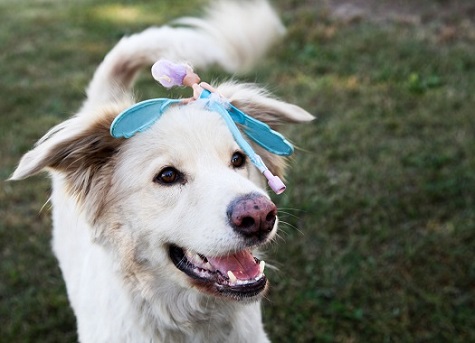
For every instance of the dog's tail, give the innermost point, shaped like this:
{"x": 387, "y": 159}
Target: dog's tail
{"x": 233, "y": 35}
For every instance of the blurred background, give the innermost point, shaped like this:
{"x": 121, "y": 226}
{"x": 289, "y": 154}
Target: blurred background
{"x": 377, "y": 241}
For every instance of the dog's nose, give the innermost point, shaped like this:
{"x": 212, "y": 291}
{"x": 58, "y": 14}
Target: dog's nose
{"x": 252, "y": 215}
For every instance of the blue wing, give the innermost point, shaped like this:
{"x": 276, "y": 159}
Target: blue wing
{"x": 261, "y": 133}
{"x": 139, "y": 117}
{"x": 258, "y": 131}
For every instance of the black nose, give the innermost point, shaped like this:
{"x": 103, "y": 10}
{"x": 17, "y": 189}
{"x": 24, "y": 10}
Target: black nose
{"x": 252, "y": 215}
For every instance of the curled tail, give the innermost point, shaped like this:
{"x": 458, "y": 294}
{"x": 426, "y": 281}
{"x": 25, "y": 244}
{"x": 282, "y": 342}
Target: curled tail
{"x": 232, "y": 34}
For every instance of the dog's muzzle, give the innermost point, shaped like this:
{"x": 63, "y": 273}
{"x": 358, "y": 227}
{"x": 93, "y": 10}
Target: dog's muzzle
{"x": 237, "y": 274}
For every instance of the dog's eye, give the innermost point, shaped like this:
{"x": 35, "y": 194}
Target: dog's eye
{"x": 238, "y": 159}
{"x": 167, "y": 176}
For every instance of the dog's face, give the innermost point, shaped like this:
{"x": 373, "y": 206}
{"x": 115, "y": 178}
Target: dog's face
{"x": 179, "y": 201}
{"x": 195, "y": 202}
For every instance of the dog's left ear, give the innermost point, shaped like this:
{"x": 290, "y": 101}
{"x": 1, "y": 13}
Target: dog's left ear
{"x": 81, "y": 149}
{"x": 258, "y": 103}
{"x": 78, "y": 145}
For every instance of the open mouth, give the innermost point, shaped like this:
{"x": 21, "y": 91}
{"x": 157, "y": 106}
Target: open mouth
{"x": 239, "y": 275}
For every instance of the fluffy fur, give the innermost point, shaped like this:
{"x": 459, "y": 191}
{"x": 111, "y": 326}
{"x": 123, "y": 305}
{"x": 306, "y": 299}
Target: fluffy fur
{"x": 114, "y": 224}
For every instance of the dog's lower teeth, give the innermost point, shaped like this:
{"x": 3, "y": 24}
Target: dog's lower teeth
{"x": 234, "y": 281}
{"x": 232, "y": 277}
{"x": 262, "y": 265}
{"x": 203, "y": 269}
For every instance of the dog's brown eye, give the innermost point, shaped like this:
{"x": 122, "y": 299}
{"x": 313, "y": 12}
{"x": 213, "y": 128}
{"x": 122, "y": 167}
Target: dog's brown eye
{"x": 238, "y": 160}
{"x": 168, "y": 175}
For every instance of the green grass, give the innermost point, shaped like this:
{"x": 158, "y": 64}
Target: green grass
{"x": 378, "y": 243}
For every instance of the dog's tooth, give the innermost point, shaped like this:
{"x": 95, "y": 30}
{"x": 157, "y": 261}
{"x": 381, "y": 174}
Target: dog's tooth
{"x": 190, "y": 257}
{"x": 189, "y": 254}
{"x": 262, "y": 265}
{"x": 232, "y": 277}
{"x": 193, "y": 258}
{"x": 208, "y": 266}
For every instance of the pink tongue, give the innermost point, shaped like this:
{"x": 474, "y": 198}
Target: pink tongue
{"x": 242, "y": 264}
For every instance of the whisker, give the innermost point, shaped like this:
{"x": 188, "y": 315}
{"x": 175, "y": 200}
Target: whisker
{"x": 293, "y": 227}
{"x": 294, "y": 209}
{"x": 288, "y": 215}
{"x": 48, "y": 202}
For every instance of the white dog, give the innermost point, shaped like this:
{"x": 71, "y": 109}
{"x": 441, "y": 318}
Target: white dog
{"x": 156, "y": 234}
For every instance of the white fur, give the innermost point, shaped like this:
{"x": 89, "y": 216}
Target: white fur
{"x": 113, "y": 224}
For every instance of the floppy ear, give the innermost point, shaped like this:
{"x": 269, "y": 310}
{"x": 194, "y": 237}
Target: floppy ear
{"x": 258, "y": 103}
{"x": 81, "y": 149}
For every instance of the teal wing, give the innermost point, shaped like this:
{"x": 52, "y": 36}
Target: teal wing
{"x": 261, "y": 133}
{"x": 139, "y": 117}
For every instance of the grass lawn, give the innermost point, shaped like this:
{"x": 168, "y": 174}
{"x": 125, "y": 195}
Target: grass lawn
{"x": 377, "y": 242}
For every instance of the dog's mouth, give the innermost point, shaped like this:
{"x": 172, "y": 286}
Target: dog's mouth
{"x": 239, "y": 275}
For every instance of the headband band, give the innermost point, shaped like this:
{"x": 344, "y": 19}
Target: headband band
{"x": 144, "y": 114}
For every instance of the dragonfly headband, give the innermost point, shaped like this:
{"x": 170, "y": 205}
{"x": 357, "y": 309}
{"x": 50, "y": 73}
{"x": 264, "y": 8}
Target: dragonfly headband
{"x": 144, "y": 114}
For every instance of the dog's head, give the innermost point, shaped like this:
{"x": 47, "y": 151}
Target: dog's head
{"x": 180, "y": 199}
